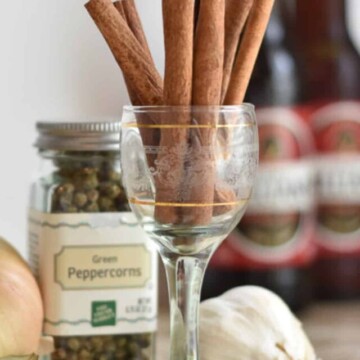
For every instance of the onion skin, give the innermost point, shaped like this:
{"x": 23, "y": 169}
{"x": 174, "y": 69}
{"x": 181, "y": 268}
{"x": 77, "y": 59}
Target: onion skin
{"x": 21, "y": 308}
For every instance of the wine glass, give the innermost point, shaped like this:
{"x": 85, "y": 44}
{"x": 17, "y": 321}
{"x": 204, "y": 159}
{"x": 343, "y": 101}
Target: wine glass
{"x": 189, "y": 174}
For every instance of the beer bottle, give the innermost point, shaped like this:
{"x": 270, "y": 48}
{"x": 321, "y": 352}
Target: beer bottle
{"x": 330, "y": 71}
{"x": 273, "y": 245}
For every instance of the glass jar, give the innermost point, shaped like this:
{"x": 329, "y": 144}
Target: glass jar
{"x": 96, "y": 269}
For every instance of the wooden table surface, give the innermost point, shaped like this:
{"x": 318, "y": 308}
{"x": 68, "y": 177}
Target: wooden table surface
{"x": 334, "y": 330}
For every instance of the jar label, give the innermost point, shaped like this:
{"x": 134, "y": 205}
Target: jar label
{"x": 338, "y": 179}
{"x": 337, "y": 129}
{"x": 278, "y": 224}
{"x": 283, "y": 188}
{"x": 97, "y": 273}
{"x": 278, "y": 227}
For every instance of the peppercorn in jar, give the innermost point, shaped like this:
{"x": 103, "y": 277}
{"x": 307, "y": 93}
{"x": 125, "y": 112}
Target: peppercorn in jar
{"x": 95, "y": 266}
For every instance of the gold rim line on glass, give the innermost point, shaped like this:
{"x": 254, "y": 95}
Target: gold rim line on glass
{"x": 183, "y": 126}
{"x": 168, "y": 204}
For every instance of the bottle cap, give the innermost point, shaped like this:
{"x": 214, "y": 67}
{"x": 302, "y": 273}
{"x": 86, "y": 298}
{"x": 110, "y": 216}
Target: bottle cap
{"x": 79, "y": 136}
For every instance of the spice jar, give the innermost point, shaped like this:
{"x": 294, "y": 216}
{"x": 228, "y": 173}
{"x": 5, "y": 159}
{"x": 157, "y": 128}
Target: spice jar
{"x": 95, "y": 266}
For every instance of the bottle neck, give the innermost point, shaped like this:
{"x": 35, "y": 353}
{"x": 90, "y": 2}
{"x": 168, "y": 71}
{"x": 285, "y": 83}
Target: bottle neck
{"x": 279, "y": 32}
{"x": 319, "y": 20}
{"x": 329, "y": 62}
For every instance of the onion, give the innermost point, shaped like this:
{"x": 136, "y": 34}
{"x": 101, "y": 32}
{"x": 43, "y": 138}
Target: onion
{"x": 21, "y": 309}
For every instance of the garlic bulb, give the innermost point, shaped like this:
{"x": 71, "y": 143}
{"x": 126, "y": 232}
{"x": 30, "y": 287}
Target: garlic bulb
{"x": 251, "y": 323}
{"x": 21, "y": 310}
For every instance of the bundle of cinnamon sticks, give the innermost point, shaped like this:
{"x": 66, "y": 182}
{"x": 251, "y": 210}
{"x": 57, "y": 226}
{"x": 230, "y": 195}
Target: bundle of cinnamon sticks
{"x": 211, "y": 48}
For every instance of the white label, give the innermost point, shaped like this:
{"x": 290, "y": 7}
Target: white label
{"x": 298, "y": 243}
{"x": 97, "y": 273}
{"x": 339, "y": 179}
{"x": 283, "y": 188}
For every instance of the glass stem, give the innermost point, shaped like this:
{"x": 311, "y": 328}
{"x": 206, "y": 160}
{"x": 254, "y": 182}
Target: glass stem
{"x": 185, "y": 276}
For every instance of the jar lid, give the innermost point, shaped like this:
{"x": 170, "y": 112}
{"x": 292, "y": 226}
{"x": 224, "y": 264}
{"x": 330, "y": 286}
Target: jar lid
{"x": 79, "y": 136}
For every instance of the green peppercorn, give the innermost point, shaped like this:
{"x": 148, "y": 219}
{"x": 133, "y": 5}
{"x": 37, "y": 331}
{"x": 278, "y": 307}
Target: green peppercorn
{"x": 113, "y": 176}
{"x": 92, "y": 208}
{"x": 143, "y": 340}
{"x": 65, "y": 189}
{"x": 107, "y": 338}
{"x": 110, "y": 189}
{"x": 85, "y": 355}
{"x": 80, "y": 199}
{"x": 121, "y": 354}
{"x": 73, "y": 344}
{"x": 70, "y": 209}
{"x": 121, "y": 342}
{"x": 97, "y": 343}
{"x": 134, "y": 348}
{"x": 90, "y": 182}
{"x": 87, "y": 344}
{"x": 86, "y": 179}
{"x": 72, "y": 356}
{"x": 60, "y": 354}
{"x": 110, "y": 346}
{"x": 92, "y": 195}
{"x": 89, "y": 171}
{"x": 106, "y": 204}
{"x": 65, "y": 201}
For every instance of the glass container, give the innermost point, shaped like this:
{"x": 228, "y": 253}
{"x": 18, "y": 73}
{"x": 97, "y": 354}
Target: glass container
{"x": 189, "y": 173}
{"x": 95, "y": 266}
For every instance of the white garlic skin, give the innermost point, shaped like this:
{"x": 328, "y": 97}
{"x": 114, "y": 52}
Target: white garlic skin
{"x": 251, "y": 323}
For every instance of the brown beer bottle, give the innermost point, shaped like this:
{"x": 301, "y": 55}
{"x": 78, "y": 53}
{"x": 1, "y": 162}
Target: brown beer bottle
{"x": 330, "y": 71}
{"x": 273, "y": 245}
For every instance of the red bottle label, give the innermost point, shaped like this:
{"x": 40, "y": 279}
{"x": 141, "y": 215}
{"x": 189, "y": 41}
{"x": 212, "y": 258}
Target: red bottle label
{"x": 278, "y": 227}
{"x": 337, "y": 130}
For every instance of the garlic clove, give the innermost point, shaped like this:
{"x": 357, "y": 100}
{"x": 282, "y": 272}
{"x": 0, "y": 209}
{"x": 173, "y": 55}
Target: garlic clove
{"x": 251, "y": 323}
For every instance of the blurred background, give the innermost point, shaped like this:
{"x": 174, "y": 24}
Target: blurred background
{"x": 54, "y": 64}
{"x": 301, "y": 235}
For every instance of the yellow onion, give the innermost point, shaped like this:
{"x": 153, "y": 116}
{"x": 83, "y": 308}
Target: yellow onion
{"x": 21, "y": 309}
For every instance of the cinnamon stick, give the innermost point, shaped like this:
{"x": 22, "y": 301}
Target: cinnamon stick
{"x": 179, "y": 41}
{"x": 209, "y": 53}
{"x": 120, "y": 9}
{"x": 145, "y": 86}
{"x": 127, "y": 51}
{"x": 258, "y": 12}
{"x": 134, "y": 22}
{"x": 133, "y": 56}
{"x": 178, "y": 18}
{"x": 208, "y": 74}
{"x": 236, "y": 14}
{"x": 223, "y": 194}
{"x": 248, "y": 51}
{"x": 150, "y": 137}
{"x": 132, "y": 93}
{"x": 197, "y": 9}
